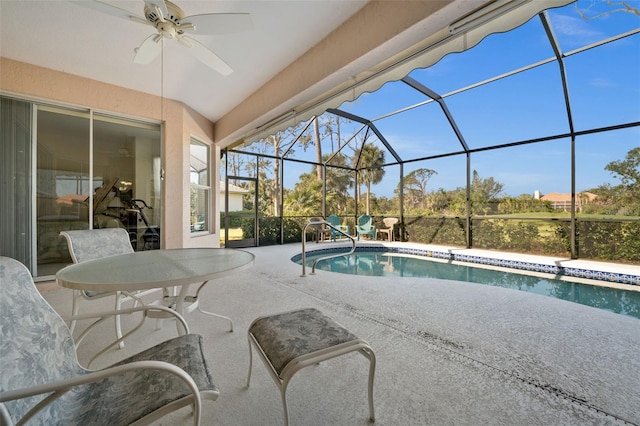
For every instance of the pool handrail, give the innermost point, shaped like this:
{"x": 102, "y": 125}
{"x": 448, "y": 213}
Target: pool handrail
{"x": 330, "y": 256}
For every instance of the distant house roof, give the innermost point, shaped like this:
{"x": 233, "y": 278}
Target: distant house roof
{"x": 233, "y": 189}
{"x": 557, "y": 197}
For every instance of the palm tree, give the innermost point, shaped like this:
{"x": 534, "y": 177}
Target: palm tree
{"x": 368, "y": 160}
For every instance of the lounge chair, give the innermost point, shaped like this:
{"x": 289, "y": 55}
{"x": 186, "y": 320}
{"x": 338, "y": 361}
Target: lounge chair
{"x": 390, "y": 223}
{"x": 365, "y": 226}
{"x": 319, "y": 230}
{"x": 43, "y": 383}
{"x": 335, "y": 221}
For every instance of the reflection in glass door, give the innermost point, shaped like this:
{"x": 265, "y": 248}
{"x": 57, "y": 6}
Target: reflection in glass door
{"x": 240, "y": 214}
{"x": 63, "y": 183}
{"x": 109, "y": 181}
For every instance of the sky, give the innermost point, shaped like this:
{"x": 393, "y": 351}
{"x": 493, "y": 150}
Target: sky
{"x": 604, "y": 90}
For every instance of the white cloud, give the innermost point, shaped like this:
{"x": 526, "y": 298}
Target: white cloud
{"x": 575, "y": 29}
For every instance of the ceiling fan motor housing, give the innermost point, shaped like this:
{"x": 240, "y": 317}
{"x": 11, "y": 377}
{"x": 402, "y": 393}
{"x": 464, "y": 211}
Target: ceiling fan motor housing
{"x": 166, "y": 25}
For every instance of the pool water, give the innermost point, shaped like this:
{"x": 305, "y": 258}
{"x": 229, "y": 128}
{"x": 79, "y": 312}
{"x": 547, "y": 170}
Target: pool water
{"x": 381, "y": 264}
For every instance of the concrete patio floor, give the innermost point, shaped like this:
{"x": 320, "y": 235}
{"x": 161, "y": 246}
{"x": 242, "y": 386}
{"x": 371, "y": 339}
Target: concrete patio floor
{"x": 448, "y": 353}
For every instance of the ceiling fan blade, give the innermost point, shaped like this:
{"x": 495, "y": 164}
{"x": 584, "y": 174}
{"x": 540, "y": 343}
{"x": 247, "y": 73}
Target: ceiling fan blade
{"x": 148, "y": 50}
{"x": 207, "y": 57}
{"x": 109, "y": 10}
{"x": 219, "y": 23}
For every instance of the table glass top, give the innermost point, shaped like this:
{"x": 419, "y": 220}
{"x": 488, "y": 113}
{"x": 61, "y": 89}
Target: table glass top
{"x": 154, "y": 268}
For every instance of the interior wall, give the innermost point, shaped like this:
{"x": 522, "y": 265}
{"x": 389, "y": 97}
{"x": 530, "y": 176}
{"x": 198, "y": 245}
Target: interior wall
{"x": 42, "y": 84}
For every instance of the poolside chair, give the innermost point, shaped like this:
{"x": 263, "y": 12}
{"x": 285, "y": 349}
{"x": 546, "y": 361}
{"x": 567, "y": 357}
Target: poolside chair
{"x": 320, "y": 230}
{"x": 89, "y": 244}
{"x": 365, "y": 226}
{"x": 390, "y": 223}
{"x": 42, "y": 381}
{"x": 335, "y": 221}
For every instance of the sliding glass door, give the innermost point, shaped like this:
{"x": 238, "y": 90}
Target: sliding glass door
{"x": 66, "y": 169}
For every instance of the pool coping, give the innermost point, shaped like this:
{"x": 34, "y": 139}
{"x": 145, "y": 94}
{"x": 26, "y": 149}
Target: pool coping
{"x": 575, "y": 268}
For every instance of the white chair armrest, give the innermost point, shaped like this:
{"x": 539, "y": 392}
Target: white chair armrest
{"x": 59, "y": 388}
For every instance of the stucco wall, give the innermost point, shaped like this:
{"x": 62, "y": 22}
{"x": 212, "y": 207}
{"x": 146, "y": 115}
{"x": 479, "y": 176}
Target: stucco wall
{"x": 36, "y": 83}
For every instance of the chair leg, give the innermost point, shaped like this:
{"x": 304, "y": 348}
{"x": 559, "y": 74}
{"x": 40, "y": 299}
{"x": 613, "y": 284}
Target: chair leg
{"x": 74, "y": 309}
{"x": 117, "y": 319}
{"x": 283, "y": 393}
{"x": 219, "y": 316}
{"x": 372, "y": 369}
{"x": 250, "y": 362}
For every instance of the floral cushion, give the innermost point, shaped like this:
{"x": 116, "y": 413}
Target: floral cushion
{"x": 90, "y": 244}
{"x": 36, "y": 345}
{"x": 284, "y": 337}
{"x": 125, "y": 398}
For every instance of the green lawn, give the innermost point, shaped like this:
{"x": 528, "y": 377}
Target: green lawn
{"x": 234, "y": 234}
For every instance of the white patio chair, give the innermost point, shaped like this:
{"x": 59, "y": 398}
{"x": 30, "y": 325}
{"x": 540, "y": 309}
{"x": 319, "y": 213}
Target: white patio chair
{"x": 43, "y": 383}
{"x": 89, "y": 244}
{"x": 390, "y": 223}
{"x": 320, "y": 230}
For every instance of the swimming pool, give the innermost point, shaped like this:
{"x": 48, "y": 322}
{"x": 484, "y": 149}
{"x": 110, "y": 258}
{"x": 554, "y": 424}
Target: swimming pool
{"x": 394, "y": 264}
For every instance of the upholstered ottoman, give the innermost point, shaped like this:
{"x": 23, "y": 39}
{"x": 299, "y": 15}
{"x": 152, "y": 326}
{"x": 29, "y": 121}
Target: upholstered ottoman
{"x": 290, "y": 341}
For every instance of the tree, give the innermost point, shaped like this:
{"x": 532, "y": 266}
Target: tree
{"x": 306, "y": 197}
{"x": 271, "y": 186}
{"x": 626, "y": 196}
{"x": 234, "y": 163}
{"x": 318, "y": 144}
{"x": 338, "y": 180}
{"x": 368, "y": 160}
{"x": 414, "y": 186}
{"x": 591, "y": 10}
{"x": 523, "y": 203}
{"x": 484, "y": 192}
{"x": 627, "y": 170}
{"x": 439, "y": 201}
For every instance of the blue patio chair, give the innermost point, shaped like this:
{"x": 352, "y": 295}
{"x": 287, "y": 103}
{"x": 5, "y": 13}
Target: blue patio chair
{"x": 43, "y": 383}
{"x": 335, "y": 221}
{"x": 365, "y": 226}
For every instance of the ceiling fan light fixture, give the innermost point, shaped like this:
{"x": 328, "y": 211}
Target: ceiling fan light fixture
{"x": 167, "y": 29}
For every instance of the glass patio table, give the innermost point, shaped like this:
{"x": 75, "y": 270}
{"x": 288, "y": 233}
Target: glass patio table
{"x": 166, "y": 268}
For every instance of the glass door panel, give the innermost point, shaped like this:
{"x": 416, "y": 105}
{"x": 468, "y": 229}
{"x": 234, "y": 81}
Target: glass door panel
{"x": 118, "y": 187}
{"x": 126, "y": 184}
{"x": 240, "y": 214}
{"x": 62, "y": 183}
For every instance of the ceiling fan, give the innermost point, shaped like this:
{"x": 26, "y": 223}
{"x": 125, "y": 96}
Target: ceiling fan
{"x": 171, "y": 23}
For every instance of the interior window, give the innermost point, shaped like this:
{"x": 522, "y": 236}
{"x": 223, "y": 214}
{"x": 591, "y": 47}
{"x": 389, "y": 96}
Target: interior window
{"x": 200, "y": 186}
